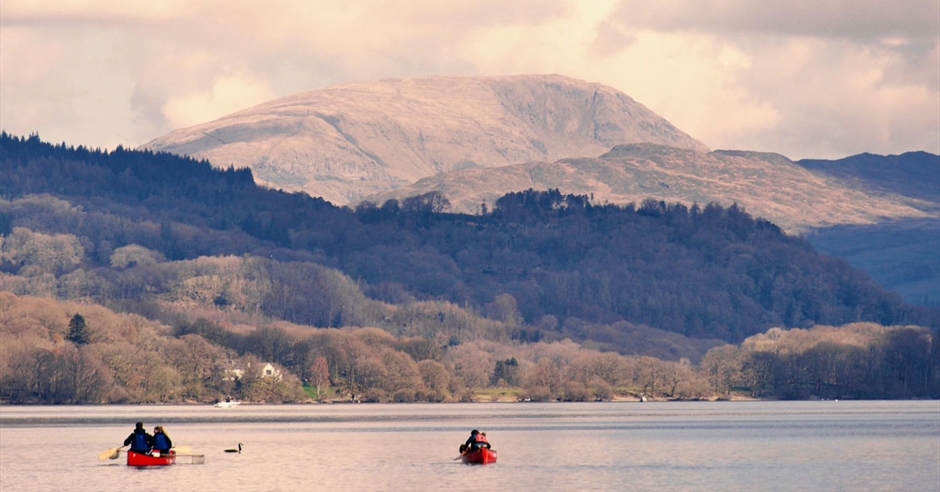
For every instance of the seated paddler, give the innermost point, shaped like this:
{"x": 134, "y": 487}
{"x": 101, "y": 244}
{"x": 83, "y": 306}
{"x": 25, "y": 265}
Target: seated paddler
{"x": 161, "y": 441}
{"x": 476, "y": 440}
{"x": 140, "y": 441}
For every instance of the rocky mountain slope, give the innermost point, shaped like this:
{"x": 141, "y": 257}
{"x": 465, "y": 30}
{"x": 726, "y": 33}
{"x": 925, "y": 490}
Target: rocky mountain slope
{"x": 349, "y": 141}
{"x": 767, "y": 185}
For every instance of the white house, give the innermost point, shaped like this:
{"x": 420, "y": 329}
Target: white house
{"x": 269, "y": 371}
{"x": 236, "y": 372}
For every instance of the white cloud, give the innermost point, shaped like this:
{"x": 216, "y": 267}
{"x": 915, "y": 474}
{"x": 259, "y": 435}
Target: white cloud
{"x": 807, "y": 78}
{"x": 811, "y": 78}
{"x": 228, "y": 95}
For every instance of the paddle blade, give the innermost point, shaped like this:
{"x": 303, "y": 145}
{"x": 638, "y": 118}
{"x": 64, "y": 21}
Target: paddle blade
{"x": 116, "y": 452}
{"x": 107, "y": 454}
{"x": 195, "y": 459}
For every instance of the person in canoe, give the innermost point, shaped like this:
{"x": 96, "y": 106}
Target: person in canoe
{"x": 476, "y": 440}
{"x": 161, "y": 441}
{"x": 140, "y": 441}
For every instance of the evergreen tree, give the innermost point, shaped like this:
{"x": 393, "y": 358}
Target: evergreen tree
{"x": 78, "y": 332}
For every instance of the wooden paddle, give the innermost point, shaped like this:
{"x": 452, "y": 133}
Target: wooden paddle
{"x": 195, "y": 459}
{"x": 111, "y": 454}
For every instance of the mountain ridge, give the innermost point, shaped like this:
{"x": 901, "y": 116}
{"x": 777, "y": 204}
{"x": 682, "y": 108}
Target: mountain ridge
{"x": 767, "y": 184}
{"x": 352, "y": 140}
{"x": 914, "y": 174}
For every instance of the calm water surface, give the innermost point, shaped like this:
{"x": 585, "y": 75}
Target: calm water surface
{"x": 720, "y": 446}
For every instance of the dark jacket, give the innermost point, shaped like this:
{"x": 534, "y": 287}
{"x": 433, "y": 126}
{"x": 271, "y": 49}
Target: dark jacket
{"x": 140, "y": 441}
{"x": 477, "y": 440}
{"x": 162, "y": 442}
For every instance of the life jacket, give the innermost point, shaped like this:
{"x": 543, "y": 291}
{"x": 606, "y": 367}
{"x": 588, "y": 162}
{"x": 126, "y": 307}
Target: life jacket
{"x": 140, "y": 444}
{"x": 161, "y": 442}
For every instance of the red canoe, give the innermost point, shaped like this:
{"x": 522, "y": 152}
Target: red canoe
{"x": 479, "y": 456}
{"x": 138, "y": 459}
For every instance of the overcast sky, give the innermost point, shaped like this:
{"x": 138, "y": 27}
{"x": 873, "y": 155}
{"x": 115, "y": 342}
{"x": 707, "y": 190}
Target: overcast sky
{"x": 805, "y": 78}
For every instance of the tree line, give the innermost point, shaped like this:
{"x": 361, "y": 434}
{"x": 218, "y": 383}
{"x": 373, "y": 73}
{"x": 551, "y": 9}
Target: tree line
{"x": 59, "y": 352}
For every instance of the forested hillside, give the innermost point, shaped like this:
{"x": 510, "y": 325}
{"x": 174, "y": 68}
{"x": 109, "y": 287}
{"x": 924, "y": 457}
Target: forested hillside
{"x": 543, "y": 261}
{"x": 129, "y": 276}
{"x": 901, "y": 254}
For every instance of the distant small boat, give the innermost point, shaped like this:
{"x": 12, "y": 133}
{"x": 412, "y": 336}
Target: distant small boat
{"x": 239, "y": 450}
{"x": 479, "y": 456}
{"x": 227, "y": 403}
{"x": 140, "y": 459}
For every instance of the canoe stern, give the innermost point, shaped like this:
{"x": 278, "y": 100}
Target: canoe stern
{"x": 481, "y": 456}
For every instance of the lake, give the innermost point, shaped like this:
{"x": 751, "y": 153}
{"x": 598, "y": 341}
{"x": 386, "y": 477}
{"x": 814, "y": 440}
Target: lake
{"x": 615, "y": 446}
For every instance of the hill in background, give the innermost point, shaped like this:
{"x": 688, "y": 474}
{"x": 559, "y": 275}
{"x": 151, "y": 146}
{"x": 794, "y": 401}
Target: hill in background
{"x": 767, "y": 185}
{"x": 342, "y": 143}
{"x": 913, "y": 174}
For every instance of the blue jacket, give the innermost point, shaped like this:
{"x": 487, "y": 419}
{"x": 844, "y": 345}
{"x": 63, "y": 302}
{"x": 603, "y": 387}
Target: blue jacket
{"x": 162, "y": 442}
{"x": 140, "y": 441}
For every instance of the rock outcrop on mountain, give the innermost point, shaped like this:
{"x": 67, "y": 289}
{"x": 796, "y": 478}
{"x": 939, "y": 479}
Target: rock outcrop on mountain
{"x": 346, "y": 142}
{"x": 766, "y": 185}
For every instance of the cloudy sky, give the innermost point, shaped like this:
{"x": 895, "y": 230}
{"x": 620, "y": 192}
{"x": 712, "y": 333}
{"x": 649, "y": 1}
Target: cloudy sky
{"x": 805, "y": 78}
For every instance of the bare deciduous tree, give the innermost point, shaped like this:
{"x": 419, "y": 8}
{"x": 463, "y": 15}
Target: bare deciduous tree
{"x": 319, "y": 373}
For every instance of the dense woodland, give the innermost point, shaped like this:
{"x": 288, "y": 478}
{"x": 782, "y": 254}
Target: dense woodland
{"x": 178, "y": 256}
{"x": 64, "y": 352}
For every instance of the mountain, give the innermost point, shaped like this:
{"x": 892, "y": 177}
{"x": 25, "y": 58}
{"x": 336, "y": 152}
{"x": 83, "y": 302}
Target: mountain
{"x": 767, "y": 185}
{"x": 911, "y": 174}
{"x": 346, "y": 142}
